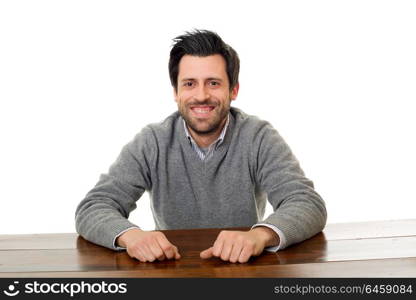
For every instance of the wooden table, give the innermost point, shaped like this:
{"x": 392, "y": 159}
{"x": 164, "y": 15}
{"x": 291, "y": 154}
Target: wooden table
{"x": 368, "y": 249}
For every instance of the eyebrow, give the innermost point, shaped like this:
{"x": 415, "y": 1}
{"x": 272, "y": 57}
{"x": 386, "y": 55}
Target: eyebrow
{"x": 209, "y": 78}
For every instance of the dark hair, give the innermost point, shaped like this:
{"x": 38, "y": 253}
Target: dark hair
{"x": 203, "y": 43}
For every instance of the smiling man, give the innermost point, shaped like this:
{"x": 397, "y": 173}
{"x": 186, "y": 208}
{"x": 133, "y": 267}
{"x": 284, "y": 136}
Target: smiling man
{"x": 204, "y": 96}
{"x": 208, "y": 165}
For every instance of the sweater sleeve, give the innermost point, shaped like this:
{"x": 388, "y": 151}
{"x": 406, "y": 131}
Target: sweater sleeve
{"x": 104, "y": 212}
{"x": 299, "y": 211}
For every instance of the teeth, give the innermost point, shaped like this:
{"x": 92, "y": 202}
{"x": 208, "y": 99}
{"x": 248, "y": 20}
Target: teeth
{"x": 202, "y": 110}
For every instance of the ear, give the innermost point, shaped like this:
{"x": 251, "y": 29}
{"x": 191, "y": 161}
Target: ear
{"x": 234, "y": 91}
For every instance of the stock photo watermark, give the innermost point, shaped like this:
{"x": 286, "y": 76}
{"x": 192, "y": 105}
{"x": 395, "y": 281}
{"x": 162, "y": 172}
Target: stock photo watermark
{"x": 63, "y": 288}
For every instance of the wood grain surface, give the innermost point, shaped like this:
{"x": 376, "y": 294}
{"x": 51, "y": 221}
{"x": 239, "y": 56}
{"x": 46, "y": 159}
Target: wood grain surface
{"x": 368, "y": 249}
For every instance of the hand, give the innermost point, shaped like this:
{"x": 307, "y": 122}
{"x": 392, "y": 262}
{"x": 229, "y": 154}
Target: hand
{"x": 147, "y": 245}
{"x": 239, "y": 246}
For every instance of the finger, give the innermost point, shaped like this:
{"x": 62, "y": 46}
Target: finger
{"x": 156, "y": 250}
{"x": 136, "y": 254}
{"x": 177, "y": 255}
{"x": 167, "y": 248}
{"x": 161, "y": 258}
{"x": 217, "y": 248}
{"x": 140, "y": 256}
{"x": 207, "y": 253}
{"x": 226, "y": 251}
{"x": 147, "y": 253}
{"x": 245, "y": 254}
{"x": 235, "y": 254}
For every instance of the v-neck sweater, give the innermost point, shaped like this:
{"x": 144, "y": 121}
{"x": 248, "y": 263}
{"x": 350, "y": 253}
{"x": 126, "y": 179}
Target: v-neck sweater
{"x": 205, "y": 152}
{"x": 253, "y": 164}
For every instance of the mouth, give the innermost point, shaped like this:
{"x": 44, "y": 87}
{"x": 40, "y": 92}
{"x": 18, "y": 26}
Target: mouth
{"x": 202, "y": 111}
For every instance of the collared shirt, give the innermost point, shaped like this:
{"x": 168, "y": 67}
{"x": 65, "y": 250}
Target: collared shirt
{"x": 205, "y": 153}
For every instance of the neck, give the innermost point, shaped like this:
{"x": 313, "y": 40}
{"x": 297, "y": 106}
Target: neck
{"x": 205, "y": 140}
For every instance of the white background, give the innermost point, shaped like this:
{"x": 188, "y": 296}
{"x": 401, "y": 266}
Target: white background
{"x": 78, "y": 79}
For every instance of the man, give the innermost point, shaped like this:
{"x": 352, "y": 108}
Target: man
{"x": 208, "y": 165}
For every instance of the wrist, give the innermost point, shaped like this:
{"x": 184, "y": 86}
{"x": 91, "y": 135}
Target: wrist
{"x": 122, "y": 240}
{"x": 267, "y": 235}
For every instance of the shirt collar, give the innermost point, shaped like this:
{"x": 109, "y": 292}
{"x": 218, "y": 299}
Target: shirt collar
{"x": 220, "y": 138}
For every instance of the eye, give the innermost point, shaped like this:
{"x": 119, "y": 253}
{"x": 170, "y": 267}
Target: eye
{"x": 188, "y": 83}
{"x": 214, "y": 83}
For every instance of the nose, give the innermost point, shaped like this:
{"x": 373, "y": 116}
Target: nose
{"x": 201, "y": 93}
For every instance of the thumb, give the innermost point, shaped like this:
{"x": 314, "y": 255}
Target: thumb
{"x": 206, "y": 253}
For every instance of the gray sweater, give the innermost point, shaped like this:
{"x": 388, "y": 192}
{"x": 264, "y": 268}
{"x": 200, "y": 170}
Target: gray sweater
{"x": 252, "y": 164}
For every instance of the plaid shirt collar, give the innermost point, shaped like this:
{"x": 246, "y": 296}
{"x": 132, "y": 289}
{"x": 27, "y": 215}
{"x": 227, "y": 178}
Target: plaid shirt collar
{"x": 217, "y": 142}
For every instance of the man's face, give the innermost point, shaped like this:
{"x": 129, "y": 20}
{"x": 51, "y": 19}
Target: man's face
{"x": 203, "y": 94}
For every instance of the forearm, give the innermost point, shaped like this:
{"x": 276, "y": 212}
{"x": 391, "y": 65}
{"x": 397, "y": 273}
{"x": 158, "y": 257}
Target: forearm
{"x": 100, "y": 222}
{"x": 104, "y": 212}
{"x": 299, "y": 211}
{"x": 299, "y": 217}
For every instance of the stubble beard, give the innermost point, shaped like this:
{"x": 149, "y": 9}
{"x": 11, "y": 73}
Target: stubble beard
{"x": 205, "y": 127}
